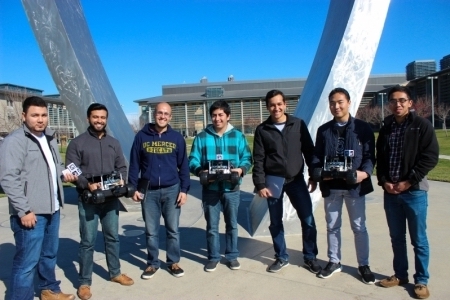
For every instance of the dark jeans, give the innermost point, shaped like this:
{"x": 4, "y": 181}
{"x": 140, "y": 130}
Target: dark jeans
{"x": 298, "y": 194}
{"x": 213, "y": 202}
{"x": 89, "y": 215}
{"x": 36, "y": 247}
{"x": 156, "y": 203}
{"x": 410, "y": 208}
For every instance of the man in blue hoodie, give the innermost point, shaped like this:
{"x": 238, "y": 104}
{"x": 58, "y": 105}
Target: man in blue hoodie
{"x": 221, "y": 141}
{"x": 159, "y": 155}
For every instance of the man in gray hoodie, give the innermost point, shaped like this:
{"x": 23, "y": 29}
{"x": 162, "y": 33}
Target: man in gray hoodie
{"x": 31, "y": 176}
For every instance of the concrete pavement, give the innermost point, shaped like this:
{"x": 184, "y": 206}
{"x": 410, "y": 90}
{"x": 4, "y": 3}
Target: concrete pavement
{"x": 252, "y": 281}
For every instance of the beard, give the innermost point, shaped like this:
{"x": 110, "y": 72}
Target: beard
{"x": 94, "y": 127}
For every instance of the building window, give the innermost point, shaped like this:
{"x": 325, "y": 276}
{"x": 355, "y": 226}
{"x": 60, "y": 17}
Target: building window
{"x": 214, "y": 92}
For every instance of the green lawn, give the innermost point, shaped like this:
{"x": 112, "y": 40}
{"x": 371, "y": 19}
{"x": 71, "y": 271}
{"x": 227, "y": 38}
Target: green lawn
{"x": 440, "y": 173}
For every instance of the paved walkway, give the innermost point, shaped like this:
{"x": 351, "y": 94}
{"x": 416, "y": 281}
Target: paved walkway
{"x": 252, "y": 281}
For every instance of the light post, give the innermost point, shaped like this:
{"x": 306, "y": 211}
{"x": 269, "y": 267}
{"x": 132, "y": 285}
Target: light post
{"x": 432, "y": 99}
{"x": 382, "y": 106}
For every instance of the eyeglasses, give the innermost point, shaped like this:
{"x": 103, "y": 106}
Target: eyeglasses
{"x": 162, "y": 114}
{"x": 395, "y": 101}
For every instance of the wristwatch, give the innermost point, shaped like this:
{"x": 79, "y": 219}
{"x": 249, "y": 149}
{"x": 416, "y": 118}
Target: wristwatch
{"x": 27, "y": 212}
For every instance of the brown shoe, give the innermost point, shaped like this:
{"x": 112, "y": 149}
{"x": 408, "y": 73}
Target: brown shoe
{"x": 50, "y": 295}
{"x": 123, "y": 279}
{"x": 421, "y": 291}
{"x": 84, "y": 292}
{"x": 393, "y": 281}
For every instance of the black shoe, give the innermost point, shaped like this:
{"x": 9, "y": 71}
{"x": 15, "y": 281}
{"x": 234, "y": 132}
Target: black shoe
{"x": 234, "y": 264}
{"x": 175, "y": 270}
{"x": 278, "y": 265}
{"x": 366, "y": 275}
{"x": 149, "y": 272}
{"x": 313, "y": 266}
{"x": 330, "y": 269}
{"x": 211, "y": 266}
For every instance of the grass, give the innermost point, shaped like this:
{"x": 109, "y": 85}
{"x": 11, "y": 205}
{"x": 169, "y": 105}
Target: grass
{"x": 440, "y": 173}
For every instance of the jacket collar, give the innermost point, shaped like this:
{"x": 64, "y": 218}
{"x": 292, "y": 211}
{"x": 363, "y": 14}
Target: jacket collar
{"x": 92, "y": 132}
{"x": 390, "y": 119}
{"x": 289, "y": 120}
{"x": 48, "y": 131}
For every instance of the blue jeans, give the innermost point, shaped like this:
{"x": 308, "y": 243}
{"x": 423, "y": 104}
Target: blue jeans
{"x": 213, "y": 202}
{"x": 298, "y": 194}
{"x": 356, "y": 208}
{"x": 35, "y": 248}
{"x": 89, "y": 215}
{"x": 408, "y": 207}
{"x": 163, "y": 202}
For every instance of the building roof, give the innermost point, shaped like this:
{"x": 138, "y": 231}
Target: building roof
{"x": 255, "y": 88}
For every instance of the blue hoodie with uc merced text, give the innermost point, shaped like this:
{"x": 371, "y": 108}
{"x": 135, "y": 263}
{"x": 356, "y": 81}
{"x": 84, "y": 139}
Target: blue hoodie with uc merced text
{"x": 160, "y": 158}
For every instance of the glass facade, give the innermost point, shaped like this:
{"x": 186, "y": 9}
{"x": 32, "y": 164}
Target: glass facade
{"x": 190, "y": 118}
{"x": 59, "y": 120}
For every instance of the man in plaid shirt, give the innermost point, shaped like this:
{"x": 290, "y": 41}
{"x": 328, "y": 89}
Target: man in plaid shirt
{"x": 407, "y": 149}
{"x": 221, "y": 141}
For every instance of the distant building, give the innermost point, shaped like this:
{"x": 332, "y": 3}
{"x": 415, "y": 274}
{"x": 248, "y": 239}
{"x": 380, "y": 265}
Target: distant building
{"x": 445, "y": 62}
{"x": 420, "y": 68}
{"x": 11, "y": 98}
{"x": 190, "y": 102}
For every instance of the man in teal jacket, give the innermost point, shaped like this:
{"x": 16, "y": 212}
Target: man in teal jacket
{"x": 221, "y": 141}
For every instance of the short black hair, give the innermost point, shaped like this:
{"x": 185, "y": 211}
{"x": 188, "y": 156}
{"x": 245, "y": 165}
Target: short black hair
{"x": 33, "y": 101}
{"x": 402, "y": 89}
{"x": 220, "y": 104}
{"x": 96, "y": 106}
{"x": 273, "y": 93}
{"x": 339, "y": 90}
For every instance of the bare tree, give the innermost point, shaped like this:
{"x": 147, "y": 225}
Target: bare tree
{"x": 134, "y": 122}
{"x": 252, "y": 123}
{"x": 366, "y": 114}
{"x": 11, "y": 110}
{"x": 422, "y": 106}
{"x": 442, "y": 111}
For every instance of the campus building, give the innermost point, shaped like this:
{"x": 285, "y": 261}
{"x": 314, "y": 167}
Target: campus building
{"x": 445, "y": 62}
{"x": 11, "y": 98}
{"x": 420, "y": 68}
{"x": 190, "y": 102}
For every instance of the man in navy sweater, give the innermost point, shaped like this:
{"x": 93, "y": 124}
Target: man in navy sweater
{"x": 159, "y": 155}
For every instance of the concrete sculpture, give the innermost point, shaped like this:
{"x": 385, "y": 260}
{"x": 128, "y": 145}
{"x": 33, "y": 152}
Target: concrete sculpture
{"x": 344, "y": 58}
{"x": 69, "y": 51}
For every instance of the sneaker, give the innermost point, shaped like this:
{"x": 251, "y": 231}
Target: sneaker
{"x": 211, "y": 266}
{"x": 366, "y": 275}
{"x": 312, "y": 265}
{"x": 50, "y": 295}
{"x": 175, "y": 270}
{"x": 278, "y": 265}
{"x": 84, "y": 292}
{"x": 421, "y": 291}
{"x": 393, "y": 281}
{"x": 234, "y": 264}
{"x": 149, "y": 272}
{"x": 123, "y": 280}
{"x": 330, "y": 269}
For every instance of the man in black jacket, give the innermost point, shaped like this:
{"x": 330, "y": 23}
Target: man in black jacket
{"x": 407, "y": 149}
{"x": 279, "y": 146}
{"x": 96, "y": 153}
{"x": 351, "y": 141}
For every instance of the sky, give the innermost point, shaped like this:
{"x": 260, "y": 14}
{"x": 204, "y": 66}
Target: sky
{"x": 145, "y": 44}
